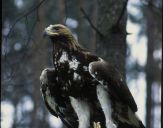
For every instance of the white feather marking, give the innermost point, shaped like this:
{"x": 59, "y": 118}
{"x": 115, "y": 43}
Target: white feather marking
{"x": 63, "y": 58}
{"x": 76, "y": 76}
{"x": 105, "y": 102}
{"x": 83, "y": 112}
{"x": 65, "y": 88}
{"x": 69, "y": 82}
{"x": 43, "y": 77}
{"x": 101, "y": 59}
{"x": 85, "y": 68}
{"x": 101, "y": 82}
{"x": 90, "y": 70}
{"x": 74, "y": 64}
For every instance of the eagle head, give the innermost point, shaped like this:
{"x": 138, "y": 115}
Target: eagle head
{"x": 59, "y": 33}
{"x": 57, "y": 30}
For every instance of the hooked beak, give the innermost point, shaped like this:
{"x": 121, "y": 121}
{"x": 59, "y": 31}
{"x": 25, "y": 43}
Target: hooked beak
{"x": 49, "y": 32}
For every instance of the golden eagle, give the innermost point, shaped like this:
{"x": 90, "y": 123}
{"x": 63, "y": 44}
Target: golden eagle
{"x": 83, "y": 88}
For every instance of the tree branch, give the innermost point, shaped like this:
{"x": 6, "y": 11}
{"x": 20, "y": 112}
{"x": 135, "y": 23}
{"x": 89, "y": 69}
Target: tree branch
{"x": 122, "y": 13}
{"x": 90, "y": 22}
{"x": 24, "y": 15}
{"x": 66, "y": 11}
{"x": 115, "y": 28}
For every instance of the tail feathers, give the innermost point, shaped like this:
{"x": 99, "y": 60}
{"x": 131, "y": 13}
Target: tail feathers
{"x": 141, "y": 125}
{"x": 128, "y": 119}
{"x": 68, "y": 125}
{"x": 126, "y": 125}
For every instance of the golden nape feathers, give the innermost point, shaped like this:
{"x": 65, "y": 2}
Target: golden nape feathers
{"x": 62, "y": 34}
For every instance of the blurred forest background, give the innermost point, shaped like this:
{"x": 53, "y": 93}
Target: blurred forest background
{"x": 127, "y": 34}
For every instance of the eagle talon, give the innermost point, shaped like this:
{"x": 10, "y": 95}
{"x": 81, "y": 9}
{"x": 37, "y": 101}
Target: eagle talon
{"x": 96, "y": 125}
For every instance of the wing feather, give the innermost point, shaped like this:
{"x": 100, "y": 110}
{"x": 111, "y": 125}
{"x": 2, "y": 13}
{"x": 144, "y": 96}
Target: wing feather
{"x": 54, "y": 104}
{"x": 106, "y": 74}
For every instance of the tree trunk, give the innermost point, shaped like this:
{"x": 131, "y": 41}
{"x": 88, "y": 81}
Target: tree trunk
{"x": 93, "y": 39}
{"x": 62, "y": 10}
{"x": 112, "y": 46}
{"x": 39, "y": 62}
{"x": 153, "y": 74}
{"x": 111, "y": 41}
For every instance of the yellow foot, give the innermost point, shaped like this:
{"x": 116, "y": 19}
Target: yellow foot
{"x": 96, "y": 125}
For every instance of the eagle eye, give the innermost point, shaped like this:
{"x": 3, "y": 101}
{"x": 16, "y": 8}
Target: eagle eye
{"x": 55, "y": 28}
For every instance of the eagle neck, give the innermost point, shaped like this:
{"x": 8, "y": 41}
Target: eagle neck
{"x": 72, "y": 49}
{"x": 73, "y": 44}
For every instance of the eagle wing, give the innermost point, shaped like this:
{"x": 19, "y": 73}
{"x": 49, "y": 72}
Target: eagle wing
{"x": 106, "y": 74}
{"x": 55, "y": 104}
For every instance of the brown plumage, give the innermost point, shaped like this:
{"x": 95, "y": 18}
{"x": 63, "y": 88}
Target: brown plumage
{"x": 82, "y": 88}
